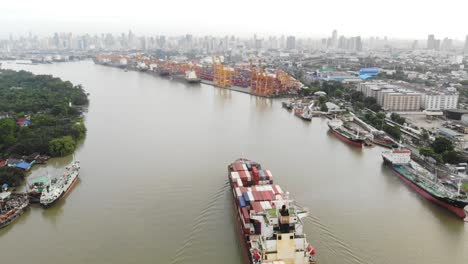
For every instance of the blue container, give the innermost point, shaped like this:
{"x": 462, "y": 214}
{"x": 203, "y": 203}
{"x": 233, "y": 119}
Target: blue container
{"x": 242, "y": 201}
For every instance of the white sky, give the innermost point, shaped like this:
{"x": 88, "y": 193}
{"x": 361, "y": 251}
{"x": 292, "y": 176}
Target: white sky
{"x": 411, "y": 19}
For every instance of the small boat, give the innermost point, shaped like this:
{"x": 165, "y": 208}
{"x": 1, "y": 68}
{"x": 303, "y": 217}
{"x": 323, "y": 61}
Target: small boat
{"x": 12, "y": 205}
{"x": 63, "y": 184}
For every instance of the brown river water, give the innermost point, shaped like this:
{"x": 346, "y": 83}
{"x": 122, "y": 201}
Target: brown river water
{"x": 153, "y": 185}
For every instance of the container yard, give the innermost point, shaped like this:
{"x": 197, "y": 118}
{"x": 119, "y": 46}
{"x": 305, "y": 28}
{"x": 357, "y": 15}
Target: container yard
{"x": 252, "y": 77}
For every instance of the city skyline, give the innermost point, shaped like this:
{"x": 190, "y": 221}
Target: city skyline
{"x": 207, "y": 17}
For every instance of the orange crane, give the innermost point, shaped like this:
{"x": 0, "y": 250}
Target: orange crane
{"x": 222, "y": 77}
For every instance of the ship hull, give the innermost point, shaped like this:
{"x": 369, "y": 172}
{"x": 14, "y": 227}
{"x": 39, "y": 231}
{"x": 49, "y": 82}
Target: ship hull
{"x": 193, "y": 80}
{"x": 16, "y": 215}
{"x": 64, "y": 193}
{"x": 240, "y": 231}
{"x": 355, "y": 143}
{"x": 458, "y": 208}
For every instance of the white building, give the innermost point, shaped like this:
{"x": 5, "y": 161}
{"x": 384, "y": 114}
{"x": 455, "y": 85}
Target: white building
{"x": 437, "y": 102}
{"x": 402, "y": 101}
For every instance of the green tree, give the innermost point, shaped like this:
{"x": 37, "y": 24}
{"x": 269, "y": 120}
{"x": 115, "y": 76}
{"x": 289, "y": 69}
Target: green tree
{"x": 11, "y": 176}
{"x": 7, "y": 132}
{"x": 397, "y": 118}
{"x": 78, "y": 131}
{"x": 324, "y": 108}
{"x": 428, "y": 152}
{"x": 393, "y": 131}
{"x": 451, "y": 157}
{"x": 339, "y": 93}
{"x": 441, "y": 144}
{"x": 60, "y": 147}
{"x": 425, "y": 135}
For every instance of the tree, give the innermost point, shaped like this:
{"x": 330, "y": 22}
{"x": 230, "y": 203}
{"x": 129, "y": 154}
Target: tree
{"x": 397, "y": 118}
{"x": 322, "y": 100}
{"x": 63, "y": 146}
{"x": 324, "y": 108}
{"x": 425, "y": 135}
{"x": 441, "y": 144}
{"x": 451, "y": 157}
{"x": 339, "y": 93}
{"x": 7, "y": 132}
{"x": 11, "y": 176}
{"x": 393, "y": 131}
{"x": 428, "y": 152}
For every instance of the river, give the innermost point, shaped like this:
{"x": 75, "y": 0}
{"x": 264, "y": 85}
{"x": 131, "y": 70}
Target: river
{"x": 153, "y": 186}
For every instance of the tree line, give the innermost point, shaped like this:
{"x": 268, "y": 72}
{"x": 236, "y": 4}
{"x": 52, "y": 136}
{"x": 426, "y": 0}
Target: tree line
{"x": 53, "y": 107}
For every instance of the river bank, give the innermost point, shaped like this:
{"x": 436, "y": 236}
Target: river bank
{"x": 133, "y": 170}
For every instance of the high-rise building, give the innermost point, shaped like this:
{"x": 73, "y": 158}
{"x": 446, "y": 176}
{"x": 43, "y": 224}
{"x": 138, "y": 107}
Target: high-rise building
{"x": 291, "y": 42}
{"x": 358, "y": 43}
{"x": 334, "y": 39}
{"x": 430, "y": 42}
{"x": 466, "y": 44}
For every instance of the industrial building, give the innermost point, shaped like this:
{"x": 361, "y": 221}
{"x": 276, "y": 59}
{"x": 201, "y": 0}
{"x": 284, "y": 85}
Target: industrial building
{"x": 402, "y": 96}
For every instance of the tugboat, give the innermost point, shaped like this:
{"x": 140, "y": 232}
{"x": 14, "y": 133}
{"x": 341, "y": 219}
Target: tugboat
{"x": 445, "y": 193}
{"x": 191, "y": 77}
{"x": 12, "y": 205}
{"x": 59, "y": 188}
{"x": 270, "y": 224}
{"x": 337, "y": 128}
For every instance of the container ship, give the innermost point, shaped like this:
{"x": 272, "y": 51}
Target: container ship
{"x": 59, "y": 188}
{"x": 269, "y": 223}
{"x": 445, "y": 193}
{"x": 191, "y": 77}
{"x": 346, "y": 135}
{"x": 12, "y": 206}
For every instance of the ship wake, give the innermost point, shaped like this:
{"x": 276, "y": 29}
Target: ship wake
{"x": 334, "y": 244}
{"x": 198, "y": 223}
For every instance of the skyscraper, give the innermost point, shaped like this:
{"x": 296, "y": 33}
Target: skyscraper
{"x": 466, "y": 44}
{"x": 358, "y": 43}
{"x": 291, "y": 42}
{"x": 431, "y": 42}
{"x": 334, "y": 39}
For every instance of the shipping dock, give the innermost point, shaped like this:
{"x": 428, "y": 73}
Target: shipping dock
{"x": 270, "y": 224}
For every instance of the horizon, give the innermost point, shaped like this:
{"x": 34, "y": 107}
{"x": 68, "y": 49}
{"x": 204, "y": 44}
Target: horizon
{"x": 401, "y": 20}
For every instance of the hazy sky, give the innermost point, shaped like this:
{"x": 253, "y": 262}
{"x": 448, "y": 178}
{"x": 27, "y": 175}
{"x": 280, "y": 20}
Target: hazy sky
{"x": 412, "y": 19}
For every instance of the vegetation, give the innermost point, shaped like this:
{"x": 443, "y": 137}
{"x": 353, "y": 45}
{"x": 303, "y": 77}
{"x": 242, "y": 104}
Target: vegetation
{"x": 359, "y": 101}
{"x": 464, "y": 187}
{"x": 62, "y": 146}
{"x": 378, "y": 121}
{"x": 397, "y": 118}
{"x": 11, "y": 176}
{"x": 322, "y": 103}
{"x": 308, "y": 91}
{"x": 442, "y": 150}
{"x": 52, "y": 106}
